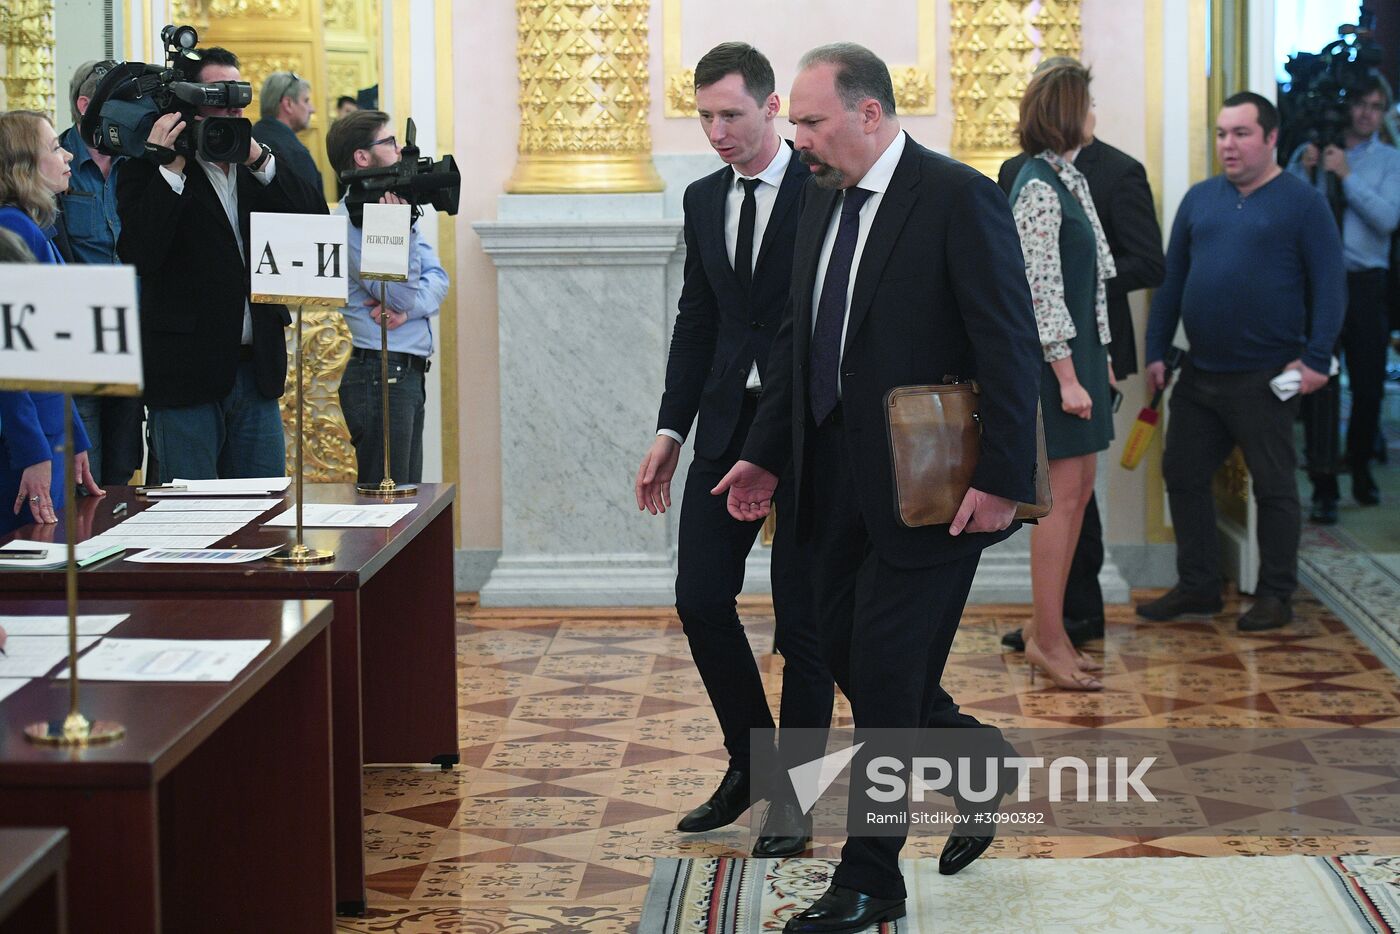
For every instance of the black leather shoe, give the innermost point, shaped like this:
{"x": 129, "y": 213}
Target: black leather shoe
{"x": 1179, "y": 602}
{"x": 844, "y": 911}
{"x": 785, "y": 831}
{"x": 1324, "y": 512}
{"x": 1363, "y": 486}
{"x": 730, "y": 800}
{"x": 1267, "y": 613}
{"x": 959, "y": 851}
{"x": 1079, "y": 631}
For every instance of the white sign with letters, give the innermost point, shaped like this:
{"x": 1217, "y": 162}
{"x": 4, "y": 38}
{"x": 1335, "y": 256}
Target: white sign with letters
{"x": 299, "y": 259}
{"x": 384, "y": 249}
{"x": 69, "y": 328}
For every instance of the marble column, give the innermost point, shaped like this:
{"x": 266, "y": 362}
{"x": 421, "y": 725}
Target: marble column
{"x": 584, "y": 314}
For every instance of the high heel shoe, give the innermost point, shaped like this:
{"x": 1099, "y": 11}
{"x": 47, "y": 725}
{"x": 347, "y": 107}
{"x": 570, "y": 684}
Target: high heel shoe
{"x": 1087, "y": 662}
{"x": 1074, "y": 680}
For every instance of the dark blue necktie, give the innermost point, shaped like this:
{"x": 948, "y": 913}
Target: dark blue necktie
{"x": 825, "y": 358}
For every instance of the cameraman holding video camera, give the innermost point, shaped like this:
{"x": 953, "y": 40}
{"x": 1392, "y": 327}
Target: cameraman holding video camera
{"x": 1362, "y": 174}
{"x": 363, "y": 140}
{"x": 215, "y": 363}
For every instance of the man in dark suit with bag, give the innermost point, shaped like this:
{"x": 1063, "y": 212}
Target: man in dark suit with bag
{"x": 908, "y": 271}
{"x": 1123, "y": 197}
{"x": 739, "y": 227}
{"x": 215, "y": 364}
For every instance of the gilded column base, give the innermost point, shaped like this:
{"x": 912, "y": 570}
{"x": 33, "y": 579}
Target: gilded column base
{"x": 583, "y": 173}
{"x": 986, "y": 161}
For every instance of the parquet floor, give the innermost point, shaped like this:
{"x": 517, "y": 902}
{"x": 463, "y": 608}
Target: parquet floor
{"x": 585, "y": 734}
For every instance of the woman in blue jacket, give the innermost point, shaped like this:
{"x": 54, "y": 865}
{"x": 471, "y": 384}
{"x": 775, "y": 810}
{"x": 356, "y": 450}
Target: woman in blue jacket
{"x": 33, "y": 170}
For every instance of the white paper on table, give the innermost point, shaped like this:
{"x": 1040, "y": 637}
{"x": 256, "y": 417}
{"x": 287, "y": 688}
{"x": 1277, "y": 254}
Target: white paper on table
{"x": 168, "y": 659}
{"x": 147, "y": 529}
{"x": 336, "y": 515}
{"x": 10, "y": 685}
{"x": 58, "y": 625}
{"x": 191, "y": 517}
{"x": 55, "y": 554}
{"x": 159, "y": 541}
{"x": 210, "y": 505}
{"x": 165, "y": 555}
{"x": 255, "y": 486}
{"x": 33, "y": 656}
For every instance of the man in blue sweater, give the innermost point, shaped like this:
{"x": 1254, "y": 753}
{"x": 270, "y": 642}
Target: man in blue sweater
{"x": 1255, "y": 275}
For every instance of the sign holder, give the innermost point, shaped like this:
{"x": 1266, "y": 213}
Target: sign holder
{"x": 40, "y": 340}
{"x": 386, "y": 488}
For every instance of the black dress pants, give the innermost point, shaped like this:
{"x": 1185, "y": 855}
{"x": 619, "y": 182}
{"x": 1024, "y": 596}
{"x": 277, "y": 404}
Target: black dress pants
{"x": 713, "y": 549}
{"x": 886, "y": 632}
{"x": 1083, "y": 595}
{"x": 1211, "y": 413}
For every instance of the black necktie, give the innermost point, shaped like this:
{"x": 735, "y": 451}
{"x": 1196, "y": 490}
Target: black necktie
{"x": 743, "y": 247}
{"x": 825, "y": 358}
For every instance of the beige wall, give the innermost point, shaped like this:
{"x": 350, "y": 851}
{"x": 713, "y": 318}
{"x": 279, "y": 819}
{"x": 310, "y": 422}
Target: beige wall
{"x": 485, "y": 88}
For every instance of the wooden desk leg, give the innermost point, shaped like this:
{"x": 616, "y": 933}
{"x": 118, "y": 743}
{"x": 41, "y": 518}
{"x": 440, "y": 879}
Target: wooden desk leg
{"x": 347, "y": 759}
{"x": 112, "y": 883}
{"x": 408, "y": 644}
{"x": 43, "y": 912}
{"x": 246, "y": 818}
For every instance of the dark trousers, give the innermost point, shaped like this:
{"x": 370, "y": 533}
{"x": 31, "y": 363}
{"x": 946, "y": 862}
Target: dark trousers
{"x": 113, "y": 425}
{"x": 1363, "y": 343}
{"x": 362, "y": 402}
{"x": 886, "y": 632}
{"x": 713, "y": 549}
{"x": 1211, "y": 414}
{"x": 1083, "y": 596}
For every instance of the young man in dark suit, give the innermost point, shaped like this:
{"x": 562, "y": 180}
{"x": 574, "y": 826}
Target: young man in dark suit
{"x": 215, "y": 363}
{"x": 739, "y": 228}
{"x": 908, "y": 271}
{"x": 1118, "y": 184}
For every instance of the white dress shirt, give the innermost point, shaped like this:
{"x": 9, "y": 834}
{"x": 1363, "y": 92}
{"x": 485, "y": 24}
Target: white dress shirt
{"x": 876, "y": 180}
{"x": 226, "y": 187}
{"x": 764, "y": 196}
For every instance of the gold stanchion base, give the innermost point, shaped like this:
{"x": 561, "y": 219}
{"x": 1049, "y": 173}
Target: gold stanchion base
{"x": 386, "y": 488}
{"x": 300, "y": 554}
{"x": 74, "y": 730}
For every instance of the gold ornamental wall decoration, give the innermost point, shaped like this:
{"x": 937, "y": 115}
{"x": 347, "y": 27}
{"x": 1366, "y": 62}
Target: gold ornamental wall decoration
{"x": 913, "y": 84}
{"x": 328, "y": 456}
{"x": 26, "y": 55}
{"x": 584, "y": 97}
{"x": 996, "y": 45}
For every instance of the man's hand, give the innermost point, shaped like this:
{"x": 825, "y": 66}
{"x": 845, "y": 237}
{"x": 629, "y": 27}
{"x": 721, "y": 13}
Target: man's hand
{"x": 653, "y": 487}
{"x": 254, "y": 152}
{"x": 390, "y": 198}
{"x": 396, "y": 318}
{"x": 982, "y": 512}
{"x": 82, "y": 467}
{"x": 750, "y": 491}
{"x": 1308, "y": 159}
{"x": 1312, "y": 380}
{"x": 1334, "y": 160}
{"x": 164, "y": 132}
{"x": 1157, "y": 377}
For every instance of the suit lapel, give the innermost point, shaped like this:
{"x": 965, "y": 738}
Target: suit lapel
{"x": 811, "y": 234}
{"x": 203, "y": 191}
{"x": 715, "y": 224}
{"x": 893, "y": 211}
{"x": 787, "y": 199}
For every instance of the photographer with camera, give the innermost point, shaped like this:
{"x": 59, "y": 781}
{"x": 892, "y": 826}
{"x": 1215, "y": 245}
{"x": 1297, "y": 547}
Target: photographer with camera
{"x": 363, "y": 140}
{"x": 215, "y": 364}
{"x": 1367, "y": 174}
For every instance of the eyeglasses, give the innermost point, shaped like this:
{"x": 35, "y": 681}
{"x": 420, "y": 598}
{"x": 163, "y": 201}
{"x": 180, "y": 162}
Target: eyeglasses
{"x": 292, "y": 80}
{"x": 380, "y": 142}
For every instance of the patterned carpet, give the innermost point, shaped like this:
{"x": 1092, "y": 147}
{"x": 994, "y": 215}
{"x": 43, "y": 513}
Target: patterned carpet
{"x": 585, "y": 734}
{"x": 1297, "y": 894}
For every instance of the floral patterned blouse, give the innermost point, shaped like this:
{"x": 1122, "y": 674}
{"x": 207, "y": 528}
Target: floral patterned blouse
{"x": 1038, "y": 215}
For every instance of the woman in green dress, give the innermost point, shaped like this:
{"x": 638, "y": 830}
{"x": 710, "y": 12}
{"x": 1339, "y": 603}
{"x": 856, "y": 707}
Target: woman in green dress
{"x": 1067, "y": 264}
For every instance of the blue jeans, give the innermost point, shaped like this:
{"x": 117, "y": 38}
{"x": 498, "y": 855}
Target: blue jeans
{"x": 361, "y": 401}
{"x": 238, "y": 437}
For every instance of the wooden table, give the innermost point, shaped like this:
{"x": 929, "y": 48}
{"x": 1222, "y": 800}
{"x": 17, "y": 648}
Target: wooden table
{"x": 214, "y": 812}
{"x": 32, "y": 866}
{"x": 393, "y": 596}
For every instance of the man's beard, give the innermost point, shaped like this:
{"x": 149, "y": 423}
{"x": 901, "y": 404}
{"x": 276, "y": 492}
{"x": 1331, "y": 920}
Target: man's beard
{"x": 827, "y": 176}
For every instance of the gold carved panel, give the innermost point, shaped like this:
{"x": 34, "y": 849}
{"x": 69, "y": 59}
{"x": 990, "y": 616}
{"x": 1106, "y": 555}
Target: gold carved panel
{"x": 26, "y": 55}
{"x": 245, "y": 18}
{"x": 328, "y": 454}
{"x": 913, "y": 82}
